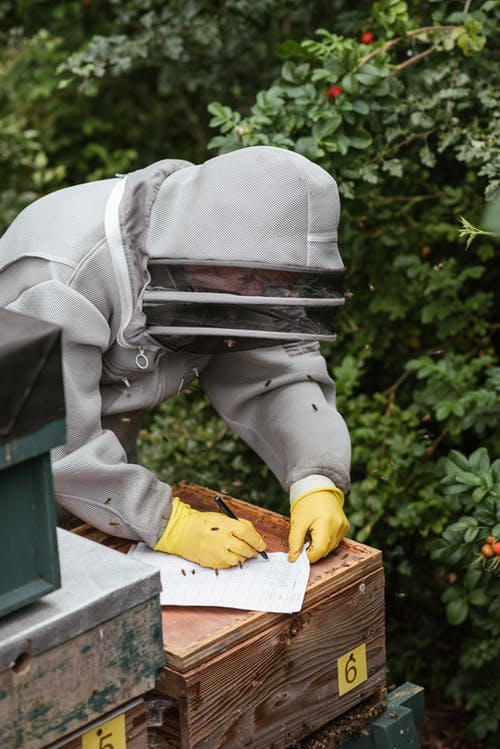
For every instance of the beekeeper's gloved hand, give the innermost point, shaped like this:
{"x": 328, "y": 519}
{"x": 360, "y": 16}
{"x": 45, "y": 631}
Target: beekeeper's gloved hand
{"x": 317, "y": 516}
{"x": 209, "y": 538}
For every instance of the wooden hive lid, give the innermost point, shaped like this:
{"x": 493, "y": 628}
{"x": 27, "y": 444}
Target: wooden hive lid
{"x": 194, "y": 634}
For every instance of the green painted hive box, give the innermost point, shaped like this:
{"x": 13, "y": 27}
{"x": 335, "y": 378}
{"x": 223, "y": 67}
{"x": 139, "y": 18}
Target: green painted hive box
{"x": 31, "y": 423}
{"x": 81, "y": 653}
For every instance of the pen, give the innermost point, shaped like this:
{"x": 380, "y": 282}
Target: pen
{"x": 231, "y": 514}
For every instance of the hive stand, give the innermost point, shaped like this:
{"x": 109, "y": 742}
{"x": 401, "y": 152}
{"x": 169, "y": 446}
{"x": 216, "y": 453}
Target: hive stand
{"x": 396, "y": 727}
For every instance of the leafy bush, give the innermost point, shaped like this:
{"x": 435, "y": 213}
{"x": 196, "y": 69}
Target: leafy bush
{"x": 89, "y": 89}
{"x": 470, "y": 580}
{"x": 407, "y": 120}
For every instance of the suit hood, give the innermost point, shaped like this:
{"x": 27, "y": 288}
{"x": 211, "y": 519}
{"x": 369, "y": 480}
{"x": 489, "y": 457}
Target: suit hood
{"x": 260, "y": 207}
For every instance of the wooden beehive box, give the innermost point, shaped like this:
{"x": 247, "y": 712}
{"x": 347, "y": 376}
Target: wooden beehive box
{"x": 238, "y": 678}
{"x": 85, "y": 650}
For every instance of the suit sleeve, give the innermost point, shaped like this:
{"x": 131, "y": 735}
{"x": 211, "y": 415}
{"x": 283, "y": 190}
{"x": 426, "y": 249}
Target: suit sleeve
{"x": 92, "y": 478}
{"x": 281, "y": 401}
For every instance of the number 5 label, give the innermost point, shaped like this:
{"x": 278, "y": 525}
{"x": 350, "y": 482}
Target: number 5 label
{"x": 109, "y": 735}
{"x": 351, "y": 668}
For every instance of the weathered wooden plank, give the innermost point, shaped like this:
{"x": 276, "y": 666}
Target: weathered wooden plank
{"x": 47, "y": 696}
{"x": 136, "y": 734}
{"x": 333, "y": 734}
{"x": 282, "y": 683}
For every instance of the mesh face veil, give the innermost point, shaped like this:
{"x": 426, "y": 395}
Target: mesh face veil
{"x": 242, "y": 253}
{"x": 219, "y": 308}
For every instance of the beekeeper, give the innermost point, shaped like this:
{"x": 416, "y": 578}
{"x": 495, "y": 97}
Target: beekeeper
{"x": 227, "y": 271}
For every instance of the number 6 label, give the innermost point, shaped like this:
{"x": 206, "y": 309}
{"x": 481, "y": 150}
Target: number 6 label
{"x": 351, "y": 668}
{"x": 109, "y": 735}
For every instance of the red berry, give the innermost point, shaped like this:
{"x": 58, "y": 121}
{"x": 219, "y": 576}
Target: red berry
{"x": 367, "y": 37}
{"x": 491, "y": 540}
{"x": 334, "y": 91}
{"x": 496, "y": 548}
{"x": 487, "y": 550}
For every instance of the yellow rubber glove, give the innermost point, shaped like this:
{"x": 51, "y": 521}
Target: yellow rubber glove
{"x": 209, "y": 538}
{"x": 317, "y": 516}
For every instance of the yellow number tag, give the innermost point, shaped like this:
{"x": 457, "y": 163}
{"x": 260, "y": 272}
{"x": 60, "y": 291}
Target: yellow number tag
{"x": 352, "y": 669}
{"x": 110, "y": 735}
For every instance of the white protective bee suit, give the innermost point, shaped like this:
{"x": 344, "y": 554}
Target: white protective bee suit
{"x": 100, "y": 260}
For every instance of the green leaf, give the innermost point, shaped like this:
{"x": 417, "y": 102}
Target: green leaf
{"x": 471, "y": 578}
{"x": 459, "y": 460}
{"x": 366, "y": 79}
{"x": 421, "y": 120}
{"x": 426, "y": 156}
{"x": 223, "y": 116}
{"x": 452, "y": 555}
{"x": 471, "y": 534}
{"x": 479, "y": 494}
{"x": 437, "y": 547}
{"x": 393, "y": 167}
{"x": 381, "y": 90}
{"x": 369, "y": 174}
{"x": 349, "y": 84}
{"x": 288, "y": 72}
{"x": 216, "y": 108}
{"x": 455, "y": 489}
{"x": 468, "y": 478}
{"x": 307, "y": 146}
{"x": 360, "y": 138}
{"x": 494, "y": 609}
{"x": 443, "y": 410}
{"x": 360, "y": 106}
{"x": 342, "y": 143}
{"x": 468, "y": 521}
{"x": 323, "y": 129}
{"x": 288, "y": 48}
{"x": 478, "y": 597}
{"x": 480, "y": 460}
{"x": 456, "y": 611}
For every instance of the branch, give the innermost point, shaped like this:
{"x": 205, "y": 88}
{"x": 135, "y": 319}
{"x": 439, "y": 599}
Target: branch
{"x": 396, "y": 146}
{"x": 391, "y": 391}
{"x": 392, "y": 42}
{"x": 410, "y": 138}
{"x": 403, "y": 198}
{"x": 411, "y": 60}
{"x": 432, "y": 448}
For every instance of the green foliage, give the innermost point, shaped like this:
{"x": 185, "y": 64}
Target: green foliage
{"x": 409, "y": 126}
{"x": 21, "y": 143}
{"x": 471, "y": 232}
{"x": 47, "y": 136}
{"x": 90, "y": 89}
{"x": 470, "y": 581}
